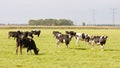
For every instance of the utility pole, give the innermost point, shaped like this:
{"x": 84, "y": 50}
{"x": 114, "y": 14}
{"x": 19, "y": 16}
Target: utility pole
{"x": 113, "y": 15}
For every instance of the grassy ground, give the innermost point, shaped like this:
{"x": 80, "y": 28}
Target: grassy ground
{"x": 50, "y": 56}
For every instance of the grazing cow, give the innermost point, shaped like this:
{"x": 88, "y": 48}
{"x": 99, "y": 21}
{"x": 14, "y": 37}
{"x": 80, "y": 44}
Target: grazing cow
{"x": 82, "y": 37}
{"x": 100, "y": 40}
{"x": 36, "y": 32}
{"x": 62, "y": 38}
{"x": 55, "y": 33}
{"x": 24, "y": 42}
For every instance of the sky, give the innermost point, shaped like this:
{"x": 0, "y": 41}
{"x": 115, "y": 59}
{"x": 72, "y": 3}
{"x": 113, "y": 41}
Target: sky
{"x": 79, "y": 11}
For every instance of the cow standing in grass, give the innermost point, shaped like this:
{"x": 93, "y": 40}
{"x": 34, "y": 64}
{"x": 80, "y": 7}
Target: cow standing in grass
{"x": 24, "y": 42}
{"x": 63, "y": 38}
{"x": 82, "y": 37}
{"x": 99, "y": 40}
{"x": 12, "y": 34}
{"x": 36, "y": 32}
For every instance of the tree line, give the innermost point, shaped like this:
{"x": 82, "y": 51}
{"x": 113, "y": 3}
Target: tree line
{"x": 51, "y": 22}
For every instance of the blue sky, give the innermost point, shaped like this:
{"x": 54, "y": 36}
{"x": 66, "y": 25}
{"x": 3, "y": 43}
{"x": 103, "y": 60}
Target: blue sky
{"x": 89, "y": 11}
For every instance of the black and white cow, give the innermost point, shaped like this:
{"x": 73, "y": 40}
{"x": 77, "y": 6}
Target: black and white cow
{"x": 25, "y": 42}
{"x": 100, "y": 40}
{"x": 12, "y": 34}
{"x": 36, "y": 32}
{"x": 63, "y": 38}
{"x": 82, "y": 37}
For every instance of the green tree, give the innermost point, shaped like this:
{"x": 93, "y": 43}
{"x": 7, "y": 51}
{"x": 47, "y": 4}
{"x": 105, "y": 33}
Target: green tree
{"x": 51, "y": 22}
{"x": 83, "y": 24}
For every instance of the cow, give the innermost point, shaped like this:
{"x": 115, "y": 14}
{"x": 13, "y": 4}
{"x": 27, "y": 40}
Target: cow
{"x": 25, "y": 42}
{"x": 63, "y": 38}
{"x": 12, "y": 34}
{"x": 55, "y": 33}
{"x": 100, "y": 40}
{"x": 36, "y": 32}
{"x": 82, "y": 37}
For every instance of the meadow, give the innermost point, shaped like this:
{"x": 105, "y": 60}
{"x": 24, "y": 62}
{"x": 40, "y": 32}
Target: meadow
{"x": 50, "y": 56}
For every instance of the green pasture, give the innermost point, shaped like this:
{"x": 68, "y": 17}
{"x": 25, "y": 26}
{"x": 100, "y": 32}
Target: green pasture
{"x": 50, "y": 56}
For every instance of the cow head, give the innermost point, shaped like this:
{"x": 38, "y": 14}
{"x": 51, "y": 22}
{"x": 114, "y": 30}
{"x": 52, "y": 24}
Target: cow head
{"x": 36, "y": 51}
{"x": 103, "y": 38}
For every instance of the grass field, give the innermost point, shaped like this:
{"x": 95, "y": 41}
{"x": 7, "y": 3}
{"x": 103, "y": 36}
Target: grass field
{"x": 50, "y": 56}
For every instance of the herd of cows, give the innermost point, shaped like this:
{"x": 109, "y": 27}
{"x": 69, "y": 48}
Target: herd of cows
{"x": 92, "y": 40}
{"x": 24, "y": 39}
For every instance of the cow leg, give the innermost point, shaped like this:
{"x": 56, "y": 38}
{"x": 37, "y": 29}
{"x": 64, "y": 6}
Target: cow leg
{"x": 66, "y": 42}
{"x": 58, "y": 42}
{"x": 21, "y": 50}
{"x": 77, "y": 41}
{"x": 17, "y": 46}
{"x": 8, "y": 36}
{"x": 38, "y": 35}
{"x": 17, "y": 50}
{"x": 92, "y": 43}
{"x": 28, "y": 51}
{"x": 31, "y": 52}
{"x": 32, "y": 36}
{"x": 102, "y": 47}
{"x": 67, "y": 45}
